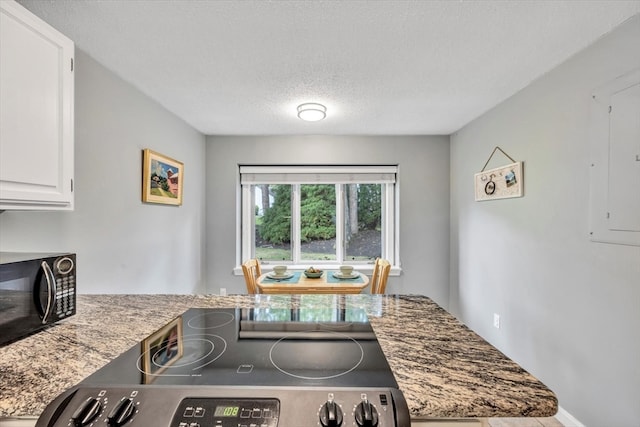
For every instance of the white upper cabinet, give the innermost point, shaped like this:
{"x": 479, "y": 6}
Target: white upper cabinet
{"x": 36, "y": 113}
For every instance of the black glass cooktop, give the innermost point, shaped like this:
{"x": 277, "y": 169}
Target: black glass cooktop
{"x": 256, "y": 347}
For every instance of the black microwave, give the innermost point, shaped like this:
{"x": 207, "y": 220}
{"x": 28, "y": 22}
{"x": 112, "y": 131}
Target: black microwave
{"x": 36, "y": 290}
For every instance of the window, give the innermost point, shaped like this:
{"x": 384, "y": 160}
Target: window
{"x": 315, "y": 215}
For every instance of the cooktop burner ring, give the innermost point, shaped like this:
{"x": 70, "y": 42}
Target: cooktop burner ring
{"x": 226, "y": 318}
{"x": 294, "y": 338}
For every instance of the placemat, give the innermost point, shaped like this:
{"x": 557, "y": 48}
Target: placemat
{"x": 294, "y": 279}
{"x": 331, "y": 279}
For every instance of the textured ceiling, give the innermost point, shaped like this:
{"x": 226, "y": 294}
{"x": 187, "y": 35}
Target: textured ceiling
{"x": 380, "y": 67}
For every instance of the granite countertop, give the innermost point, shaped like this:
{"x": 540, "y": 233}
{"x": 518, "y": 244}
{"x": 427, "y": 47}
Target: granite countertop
{"x": 444, "y": 369}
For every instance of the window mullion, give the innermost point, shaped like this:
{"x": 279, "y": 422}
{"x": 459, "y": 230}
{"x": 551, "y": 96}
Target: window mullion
{"x": 388, "y": 223}
{"x": 340, "y": 222}
{"x": 248, "y": 224}
{"x": 295, "y": 224}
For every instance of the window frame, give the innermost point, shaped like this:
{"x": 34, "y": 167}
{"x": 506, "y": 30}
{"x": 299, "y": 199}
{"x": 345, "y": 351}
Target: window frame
{"x": 251, "y": 175}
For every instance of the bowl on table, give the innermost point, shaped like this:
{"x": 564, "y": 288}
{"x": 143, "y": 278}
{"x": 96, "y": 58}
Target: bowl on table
{"x": 313, "y": 273}
{"x": 346, "y": 270}
{"x": 280, "y": 270}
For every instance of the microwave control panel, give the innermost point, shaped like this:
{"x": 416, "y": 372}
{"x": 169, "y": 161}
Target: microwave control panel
{"x": 64, "y": 273}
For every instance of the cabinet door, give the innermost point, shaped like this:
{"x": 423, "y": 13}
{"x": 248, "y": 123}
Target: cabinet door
{"x": 614, "y": 193}
{"x": 36, "y": 112}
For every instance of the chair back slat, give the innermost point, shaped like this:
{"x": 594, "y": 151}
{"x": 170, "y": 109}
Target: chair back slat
{"x": 251, "y": 271}
{"x": 380, "y": 275}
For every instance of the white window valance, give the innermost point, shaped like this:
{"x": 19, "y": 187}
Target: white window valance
{"x": 379, "y": 174}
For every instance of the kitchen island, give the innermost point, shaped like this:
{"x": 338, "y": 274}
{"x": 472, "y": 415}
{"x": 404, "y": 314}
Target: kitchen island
{"x": 444, "y": 369}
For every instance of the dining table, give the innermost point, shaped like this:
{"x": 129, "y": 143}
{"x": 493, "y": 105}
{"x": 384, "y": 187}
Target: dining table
{"x": 296, "y": 282}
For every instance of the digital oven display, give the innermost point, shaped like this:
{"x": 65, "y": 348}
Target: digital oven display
{"x": 226, "y": 411}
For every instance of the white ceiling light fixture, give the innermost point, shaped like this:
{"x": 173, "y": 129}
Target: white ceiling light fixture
{"x": 312, "y": 112}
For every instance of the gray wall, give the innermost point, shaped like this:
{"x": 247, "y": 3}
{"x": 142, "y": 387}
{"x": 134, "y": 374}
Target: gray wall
{"x": 424, "y": 199}
{"x": 570, "y": 308}
{"x": 123, "y": 245}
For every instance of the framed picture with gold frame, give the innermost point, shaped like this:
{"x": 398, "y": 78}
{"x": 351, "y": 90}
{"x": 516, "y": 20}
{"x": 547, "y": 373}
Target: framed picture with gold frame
{"x": 161, "y": 349}
{"x": 162, "y": 179}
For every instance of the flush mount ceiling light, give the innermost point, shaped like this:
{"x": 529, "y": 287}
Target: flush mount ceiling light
{"x": 312, "y": 112}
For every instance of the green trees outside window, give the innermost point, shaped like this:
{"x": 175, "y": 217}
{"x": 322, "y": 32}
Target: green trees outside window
{"x": 318, "y": 204}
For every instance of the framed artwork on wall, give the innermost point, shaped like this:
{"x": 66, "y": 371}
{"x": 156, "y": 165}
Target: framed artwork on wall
{"x": 162, "y": 179}
{"x": 499, "y": 183}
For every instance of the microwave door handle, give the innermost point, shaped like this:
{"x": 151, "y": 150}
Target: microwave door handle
{"x": 51, "y": 291}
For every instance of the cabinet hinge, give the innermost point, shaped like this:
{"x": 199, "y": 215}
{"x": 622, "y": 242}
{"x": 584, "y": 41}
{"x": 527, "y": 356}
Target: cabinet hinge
{"x": 72, "y": 185}
{"x": 71, "y": 64}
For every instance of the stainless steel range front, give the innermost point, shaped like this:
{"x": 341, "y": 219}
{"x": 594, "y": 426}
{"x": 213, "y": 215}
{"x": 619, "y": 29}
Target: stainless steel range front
{"x": 243, "y": 367}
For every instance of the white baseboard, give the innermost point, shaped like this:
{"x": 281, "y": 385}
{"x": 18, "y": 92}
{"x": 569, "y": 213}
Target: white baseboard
{"x": 567, "y": 419}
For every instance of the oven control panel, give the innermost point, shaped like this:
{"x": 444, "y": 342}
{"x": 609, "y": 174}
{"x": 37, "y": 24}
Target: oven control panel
{"x": 226, "y": 406}
{"x": 221, "y": 412}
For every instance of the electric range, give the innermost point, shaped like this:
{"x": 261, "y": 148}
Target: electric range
{"x": 257, "y": 367}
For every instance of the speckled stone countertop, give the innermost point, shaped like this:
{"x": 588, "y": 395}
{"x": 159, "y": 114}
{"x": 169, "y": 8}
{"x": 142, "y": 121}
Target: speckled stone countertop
{"x": 444, "y": 369}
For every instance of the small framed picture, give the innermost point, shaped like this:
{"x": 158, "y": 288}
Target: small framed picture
{"x": 161, "y": 349}
{"x": 162, "y": 179}
{"x": 500, "y": 183}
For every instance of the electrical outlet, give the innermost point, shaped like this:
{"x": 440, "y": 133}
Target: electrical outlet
{"x": 223, "y": 291}
{"x": 496, "y": 320}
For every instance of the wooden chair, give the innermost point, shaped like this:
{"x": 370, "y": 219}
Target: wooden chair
{"x": 251, "y": 270}
{"x": 380, "y": 275}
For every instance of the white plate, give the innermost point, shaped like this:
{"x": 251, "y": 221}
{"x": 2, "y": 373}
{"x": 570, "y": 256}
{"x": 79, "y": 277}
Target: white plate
{"x": 339, "y": 275}
{"x": 280, "y": 277}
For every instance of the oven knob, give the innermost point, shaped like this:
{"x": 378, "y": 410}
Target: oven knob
{"x": 89, "y": 409}
{"x": 121, "y": 413}
{"x": 330, "y": 414}
{"x": 366, "y": 414}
